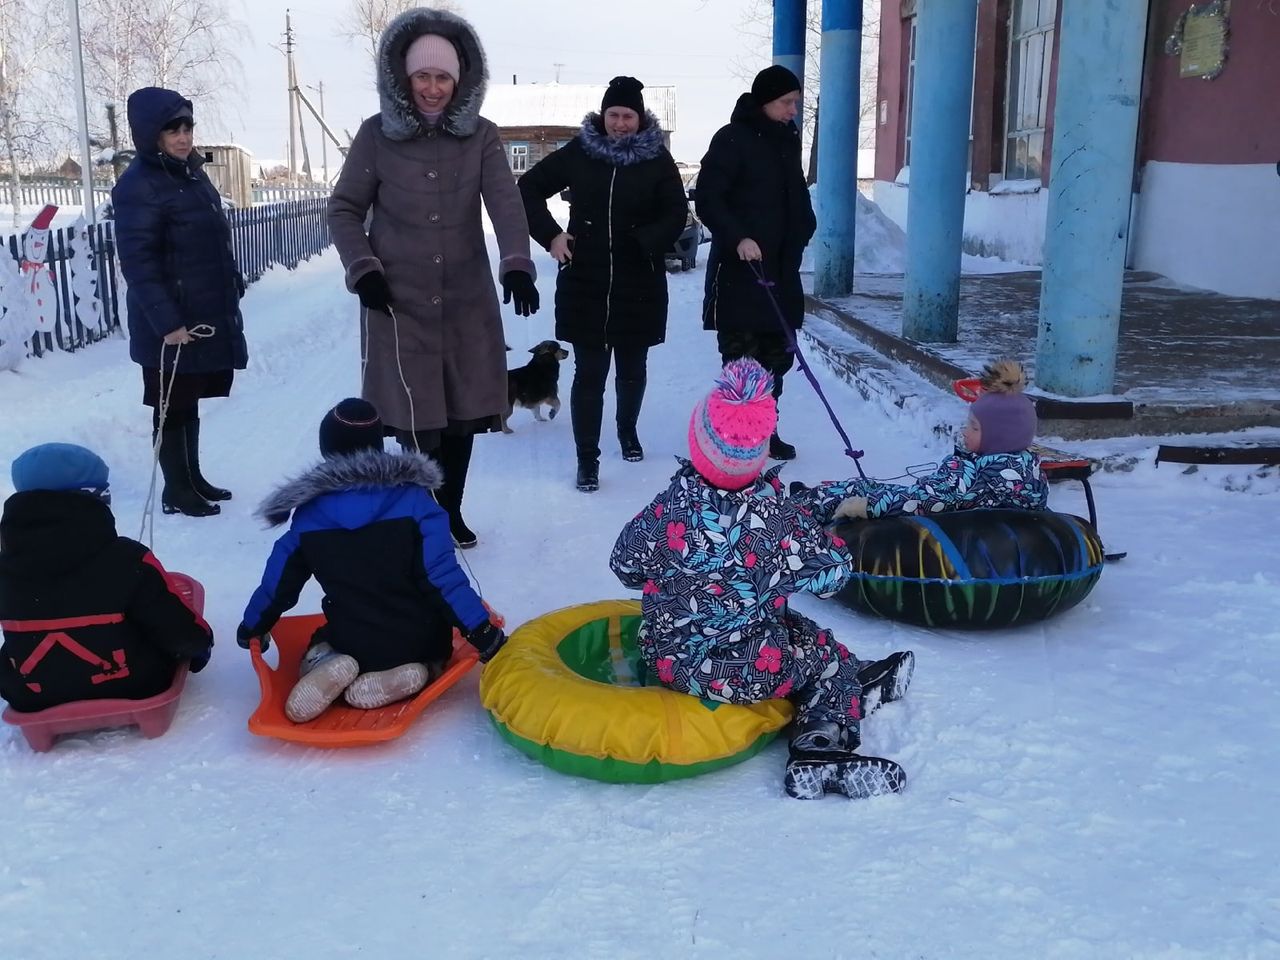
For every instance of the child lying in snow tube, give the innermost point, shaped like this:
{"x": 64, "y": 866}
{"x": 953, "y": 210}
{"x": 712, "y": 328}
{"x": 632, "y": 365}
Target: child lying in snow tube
{"x": 971, "y": 545}
{"x": 572, "y": 691}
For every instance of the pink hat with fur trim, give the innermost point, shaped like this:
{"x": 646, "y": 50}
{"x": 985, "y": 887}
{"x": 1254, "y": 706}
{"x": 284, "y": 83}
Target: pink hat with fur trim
{"x": 730, "y": 428}
{"x": 432, "y": 52}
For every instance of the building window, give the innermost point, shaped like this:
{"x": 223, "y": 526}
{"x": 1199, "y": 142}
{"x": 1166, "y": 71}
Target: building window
{"x": 519, "y": 155}
{"x": 1030, "y": 53}
{"x": 911, "y": 83}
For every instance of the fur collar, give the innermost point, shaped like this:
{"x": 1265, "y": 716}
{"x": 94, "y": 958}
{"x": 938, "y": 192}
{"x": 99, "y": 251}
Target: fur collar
{"x": 363, "y": 470}
{"x": 646, "y": 143}
{"x": 400, "y": 118}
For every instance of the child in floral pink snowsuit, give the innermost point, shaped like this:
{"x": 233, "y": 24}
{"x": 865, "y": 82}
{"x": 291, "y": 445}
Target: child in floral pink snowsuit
{"x": 717, "y": 554}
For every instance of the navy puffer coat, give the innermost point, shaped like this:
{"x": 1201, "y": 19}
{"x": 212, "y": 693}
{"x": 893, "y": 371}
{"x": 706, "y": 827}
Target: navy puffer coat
{"x": 174, "y": 246}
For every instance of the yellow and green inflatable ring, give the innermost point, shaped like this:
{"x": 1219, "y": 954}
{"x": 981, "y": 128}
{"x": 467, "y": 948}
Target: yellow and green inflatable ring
{"x": 572, "y": 691}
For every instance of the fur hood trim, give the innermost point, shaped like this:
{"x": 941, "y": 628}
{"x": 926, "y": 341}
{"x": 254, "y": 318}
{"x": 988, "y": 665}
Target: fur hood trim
{"x": 364, "y": 469}
{"x": 647, "y": 143}
{"x": 400, "y": 118}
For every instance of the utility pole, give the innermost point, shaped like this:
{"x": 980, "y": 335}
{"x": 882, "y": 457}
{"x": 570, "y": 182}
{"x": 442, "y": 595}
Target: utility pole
{"x": 82, "y": 114}
{"x": 291, "y": 85}
{"x": 324, "y": 144}
{"x": 557, "y": 66}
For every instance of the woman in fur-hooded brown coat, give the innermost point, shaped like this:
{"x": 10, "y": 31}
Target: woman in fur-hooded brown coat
{"x": 422, "y": 270}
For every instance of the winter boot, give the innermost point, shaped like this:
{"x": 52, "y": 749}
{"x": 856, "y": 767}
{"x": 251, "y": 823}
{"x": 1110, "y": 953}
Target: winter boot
{"x": 779, "y": 449}
{"x": 198, "y": 482}
{"x": 630, "y": 397}
{"x": 809, "y": 776}
{"x": 179, "y": 496}
{"x": 322, "y": 685}
{"x": 885, "y": 680}
{"x": 825, "y": 737}
{"x": 377, "y": 689}
{"x": 454, "y": 456}
{"x": 588, "y": 475}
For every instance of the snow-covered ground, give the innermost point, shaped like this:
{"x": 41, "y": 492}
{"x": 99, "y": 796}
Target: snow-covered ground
{"x": 1104, "y": 784}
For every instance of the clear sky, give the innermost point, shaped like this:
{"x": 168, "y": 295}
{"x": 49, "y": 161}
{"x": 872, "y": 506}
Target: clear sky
{"x": 695, "y": 44}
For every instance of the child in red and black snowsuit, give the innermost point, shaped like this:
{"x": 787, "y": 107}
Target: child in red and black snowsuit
{"x": 716, "y": 555}
{"x": 86, "y": 613}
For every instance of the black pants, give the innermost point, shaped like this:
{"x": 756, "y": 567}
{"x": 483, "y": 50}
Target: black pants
{"x": 586, "y": 399}
{"x": 770, "y": 350}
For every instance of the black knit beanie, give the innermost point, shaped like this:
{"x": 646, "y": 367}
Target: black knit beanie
{"x": 624, "y": 92}
{"x": 772, "y": 83}
{"x": 351, "y": 426}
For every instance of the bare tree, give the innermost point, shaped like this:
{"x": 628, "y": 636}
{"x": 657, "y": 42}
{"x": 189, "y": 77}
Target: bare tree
{"x": 33, "y": 124}
{"x": 188, "y": 45}
{"x": 365, "y": 20}
{"x": 757, "y": 23}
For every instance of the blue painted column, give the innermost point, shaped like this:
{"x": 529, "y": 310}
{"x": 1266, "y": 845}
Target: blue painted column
{"x": 1095, "y": 124}
{"x": 837, "y": 193}
{"x": 789, "y": 26}
{"x": 941, "y": 107}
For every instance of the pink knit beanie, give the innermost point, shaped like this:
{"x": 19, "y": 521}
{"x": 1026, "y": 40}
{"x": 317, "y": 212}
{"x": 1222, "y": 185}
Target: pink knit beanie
{"x": 730, "y": 428}
{"x": 432, "y": 52}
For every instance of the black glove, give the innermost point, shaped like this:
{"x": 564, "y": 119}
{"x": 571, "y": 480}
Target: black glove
{"x": 487, "y": 638}
{"x": 374, "y": 291}
{"x": 797, "y": 489}
{"x": 243, "y": 636}
{"x": 198, "y": 663}
{"x": 518, "y": 284}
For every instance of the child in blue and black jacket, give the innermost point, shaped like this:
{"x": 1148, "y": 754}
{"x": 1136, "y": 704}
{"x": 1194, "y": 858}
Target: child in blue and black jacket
{"x": 994, "y": 467}
{"x": 367, "y": 527}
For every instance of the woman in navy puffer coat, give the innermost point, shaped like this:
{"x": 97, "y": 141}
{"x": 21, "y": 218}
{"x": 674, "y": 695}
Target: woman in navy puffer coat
{"x": 175, "y": 252}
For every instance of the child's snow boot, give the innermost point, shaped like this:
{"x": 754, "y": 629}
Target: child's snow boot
{"x": 886, "y": 680}
{"x": 810, "y": 775}
{"x": 825, "y": 737}
{"x": 377, "y": 689}
{"x": 321, "y": 685}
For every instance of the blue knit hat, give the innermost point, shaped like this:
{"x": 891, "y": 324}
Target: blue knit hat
{"x": 60, "y": 466}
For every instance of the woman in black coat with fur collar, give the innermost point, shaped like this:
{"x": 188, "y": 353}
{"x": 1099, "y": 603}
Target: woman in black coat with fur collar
{"x": 752, "y": 194}
{"x": 627, "y": 207}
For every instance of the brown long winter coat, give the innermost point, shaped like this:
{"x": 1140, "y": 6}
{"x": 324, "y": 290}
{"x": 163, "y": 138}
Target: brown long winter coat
{"x": 424, "y": 186}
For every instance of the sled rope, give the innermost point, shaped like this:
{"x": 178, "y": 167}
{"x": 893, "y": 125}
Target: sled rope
{"x": 413, "y": 422}
{"x": 200, "y": 331}
{"x": 793, "y": 346}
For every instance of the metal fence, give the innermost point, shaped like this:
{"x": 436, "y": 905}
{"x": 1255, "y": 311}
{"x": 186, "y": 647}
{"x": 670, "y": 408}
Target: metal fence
{"x": 281, "y": 234}
{"x": 38, "y": 191}
{"x": 279, "y": 193}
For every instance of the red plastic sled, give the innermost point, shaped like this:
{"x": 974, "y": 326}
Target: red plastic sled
{"x": 340, "y": 725}
{"x": 151, "y": 716}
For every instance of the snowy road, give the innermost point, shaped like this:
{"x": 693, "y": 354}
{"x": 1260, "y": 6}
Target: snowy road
{"x": 1101, "y": 785}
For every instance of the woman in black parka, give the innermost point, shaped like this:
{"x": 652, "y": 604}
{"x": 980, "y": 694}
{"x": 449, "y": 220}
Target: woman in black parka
{"x": 751, "y": 192}
{"x": 627, "y": 208}
{"x": 184, "y": 296}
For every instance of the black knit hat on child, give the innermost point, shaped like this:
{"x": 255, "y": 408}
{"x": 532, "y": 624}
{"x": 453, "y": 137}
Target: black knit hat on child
{"x": 351, "y": 426}
{"x": 624, "y": 92}
{"x": 772, "y": 83}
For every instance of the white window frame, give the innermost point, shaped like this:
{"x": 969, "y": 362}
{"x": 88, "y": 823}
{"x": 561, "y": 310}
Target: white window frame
{"x": 518, "y": 155}
{"x": 1027, "y": 91}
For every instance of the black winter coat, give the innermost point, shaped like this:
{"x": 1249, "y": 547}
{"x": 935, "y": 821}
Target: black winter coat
{"x": 86, "y": 613}
{"x": 627, "y": 207}
{"x": 175, "y": 249}
{"x": 752, "y": 185}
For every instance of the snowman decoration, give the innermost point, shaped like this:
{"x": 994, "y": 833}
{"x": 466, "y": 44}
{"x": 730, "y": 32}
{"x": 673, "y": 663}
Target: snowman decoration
{"x": 38, "y": 281}
{"x": 84, "y": 280}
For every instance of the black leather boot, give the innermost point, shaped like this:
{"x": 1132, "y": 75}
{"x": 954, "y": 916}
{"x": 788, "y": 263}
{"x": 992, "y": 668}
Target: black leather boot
{"x": 198, "y": 482}
{"x": 179, "y": 496}
{"x": 454, "y": 457}
{"x": 630, "y": 398}
{"x": 588, "y": 475}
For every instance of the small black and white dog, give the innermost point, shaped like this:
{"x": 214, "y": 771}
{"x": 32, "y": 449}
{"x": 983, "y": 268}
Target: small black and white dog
{"x": 536, "y": 383}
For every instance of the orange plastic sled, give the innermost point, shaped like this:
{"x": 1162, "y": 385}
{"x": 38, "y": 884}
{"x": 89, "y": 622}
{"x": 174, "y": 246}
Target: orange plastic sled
{"x": 340, "y": 725}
